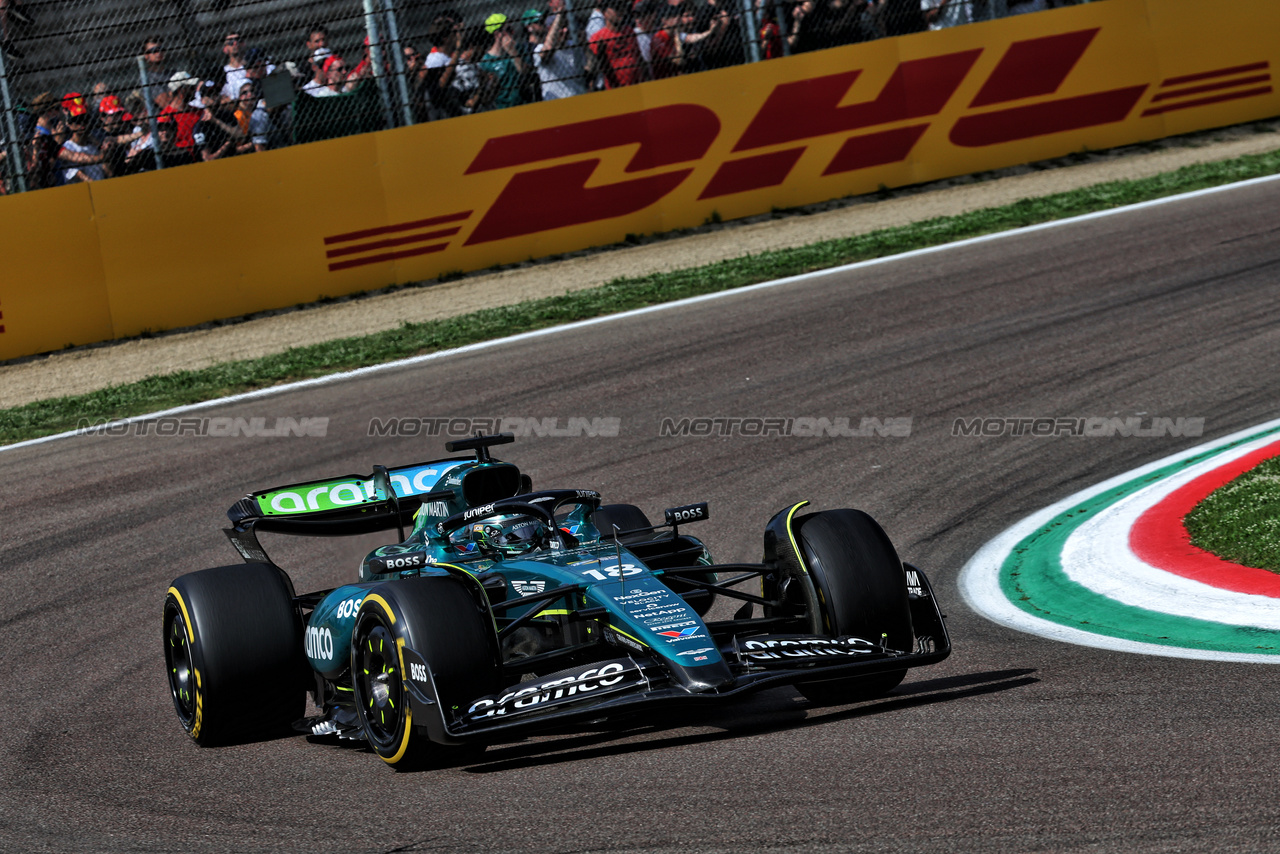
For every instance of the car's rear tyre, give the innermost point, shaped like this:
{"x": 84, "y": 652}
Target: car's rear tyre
{"x": 446, "y": 623}
{"x": 233, "y": 653}
{"x": 863, "y": 593}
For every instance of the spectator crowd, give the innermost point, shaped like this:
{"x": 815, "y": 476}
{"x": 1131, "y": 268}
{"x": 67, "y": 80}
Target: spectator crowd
{"x": 247, "y": 103}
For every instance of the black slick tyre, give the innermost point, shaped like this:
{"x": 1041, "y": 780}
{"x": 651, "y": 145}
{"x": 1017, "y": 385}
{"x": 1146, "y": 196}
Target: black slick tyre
{"x": 862, "y": 588}
{"x": 233, "y": 653}
{"x": 447, "y": 623}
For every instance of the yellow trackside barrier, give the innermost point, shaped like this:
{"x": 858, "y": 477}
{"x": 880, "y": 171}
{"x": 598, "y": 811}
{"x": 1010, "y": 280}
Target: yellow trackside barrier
{"x": 183, "y": 246}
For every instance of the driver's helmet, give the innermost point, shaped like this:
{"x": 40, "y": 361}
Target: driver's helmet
{"x": 509, "y": 536}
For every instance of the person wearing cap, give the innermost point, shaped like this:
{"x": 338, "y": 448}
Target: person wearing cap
{"x": 315, "y": 62}
{"x": 614, "y": 51}
{"x": 181, "y": 90}
{"x": 76, "y": 169}
{"x": 337, "y": 80}
{"x": 117, "y": 135}
{"x": 47, "y": 136}
{"x": 253, "y": 117}
{"x": 505, "y": 62}
{"x": 216, "y": 134}
{"x": 559, "y": 62}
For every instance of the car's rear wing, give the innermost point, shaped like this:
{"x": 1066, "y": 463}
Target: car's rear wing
{"x": 355, "y": 504}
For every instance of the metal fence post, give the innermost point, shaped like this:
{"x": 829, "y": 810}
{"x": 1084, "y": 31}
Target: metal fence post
{"x": 151, "y": 113}
{"x": 397, "y": 54}
{"x": 375, "y": 57}
{"x": 15, "y": 149}
{"x": 572, "y": 20}
{"x": 750, "y": 32}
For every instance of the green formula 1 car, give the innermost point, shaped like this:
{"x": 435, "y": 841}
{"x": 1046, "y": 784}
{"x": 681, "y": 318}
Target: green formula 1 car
{"x": 507, "y": 610}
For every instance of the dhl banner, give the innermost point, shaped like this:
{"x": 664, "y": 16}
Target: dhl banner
{"x": 176, "y": 248}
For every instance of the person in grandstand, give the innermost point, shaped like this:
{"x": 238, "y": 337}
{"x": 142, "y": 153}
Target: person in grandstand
{"x": 614, "y": 51}
{"x": 471, "y": 81}
{"x": 666, "y": 47}
{"x": 317, "y": 39}
{"x": 317, "y": 81}
{"x": 118, "y": 134}
{"x": 819, "y": 24}
{"x": 155, "y": 69}
{"x": 506, "y": 64}
{"x": 217, "y": 133}
{"x": 142, "y": 154}
{"x": 253, "y": 118}
{"x": 769, "y": 32}
{"x": 75, "y": 170}
{"x": 940, "y": 14}
{"x": 234, "y": 70}
{"x": 559, "y": 62}
{"x": 337, "y": 80}
{"x": 415, "y": 80}
{"x": 47, "y": 137}
{"x": 445, "y": 34}
{"x": 178, "y": 110}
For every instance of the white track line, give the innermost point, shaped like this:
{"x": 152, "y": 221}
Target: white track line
{"x": 638, "y": 312}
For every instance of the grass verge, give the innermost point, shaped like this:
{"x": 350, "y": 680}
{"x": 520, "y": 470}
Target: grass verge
{"x": 1240, "y": 521}
{"x": 184, "y": 387}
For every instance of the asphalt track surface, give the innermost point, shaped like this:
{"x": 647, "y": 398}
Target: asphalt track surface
{"x": 1015, "y": 743}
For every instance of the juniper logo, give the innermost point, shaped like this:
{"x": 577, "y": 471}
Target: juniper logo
{"x": 1091, "y": 427}
{"x": 575, "y": 427}
{"x": 800, "y": 426}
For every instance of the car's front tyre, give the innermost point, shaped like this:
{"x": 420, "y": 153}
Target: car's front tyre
{"x": 446, "y": 623}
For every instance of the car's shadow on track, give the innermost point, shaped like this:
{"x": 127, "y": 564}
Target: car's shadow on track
{"x": 771, "y": 711}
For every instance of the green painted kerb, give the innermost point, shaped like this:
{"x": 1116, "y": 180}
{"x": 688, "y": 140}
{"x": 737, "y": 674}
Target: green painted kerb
{"x": 1032, "y": 578}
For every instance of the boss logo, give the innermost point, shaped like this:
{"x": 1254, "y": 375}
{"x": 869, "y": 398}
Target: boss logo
{"x": 347, "y": 609}
{"x": 417, "y": 672}
{"x": 400, "y": 562}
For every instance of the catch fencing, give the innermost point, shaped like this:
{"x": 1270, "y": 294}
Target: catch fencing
{"x": 122, "y": 81}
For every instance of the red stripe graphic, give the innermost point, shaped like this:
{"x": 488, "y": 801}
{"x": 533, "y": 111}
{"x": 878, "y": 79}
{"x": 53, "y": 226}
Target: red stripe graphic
{"x": 391, "y": 229}
{"x": 1160, "y": 538}
{"x": 397, "y": 241}
{"x": 1178, "y": 97}
{"x": 388, "y": 256}
{"x": 1211, "y": 87}
{"x": 1221, "y": 72}
{"x": 1186, "y": 105}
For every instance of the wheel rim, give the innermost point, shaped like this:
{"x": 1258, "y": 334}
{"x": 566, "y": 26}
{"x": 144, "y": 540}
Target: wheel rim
{"x": 181, "y": 671}
{"x": 378, "y": 687}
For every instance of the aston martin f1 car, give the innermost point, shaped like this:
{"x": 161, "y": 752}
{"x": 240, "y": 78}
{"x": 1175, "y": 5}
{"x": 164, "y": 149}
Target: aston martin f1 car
{"x": 502, "y": 610}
